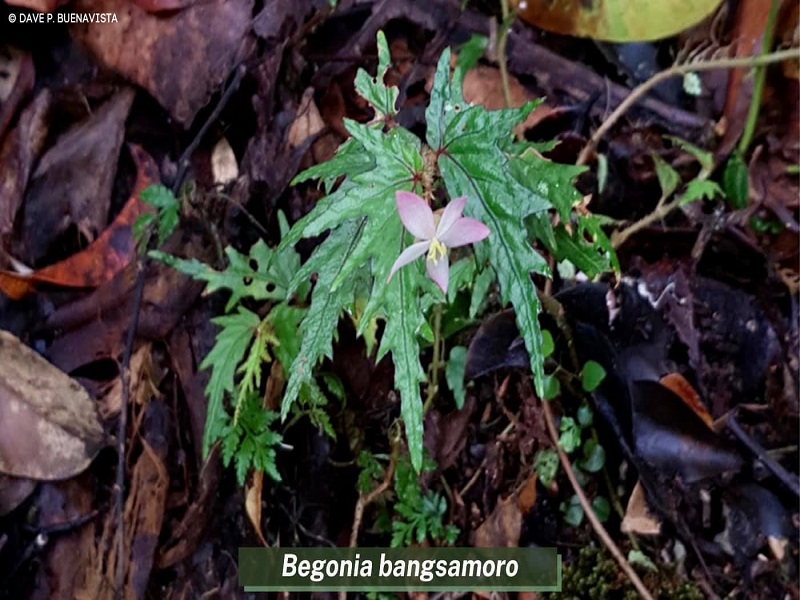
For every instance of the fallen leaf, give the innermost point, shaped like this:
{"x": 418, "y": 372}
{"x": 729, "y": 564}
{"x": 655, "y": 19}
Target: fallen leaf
{"x": 638, "y": 520}
{"x": 615, "y": 20}
{"x": 252, "y": 504}
{"x": 13, "y": 492}
{"x": 43, "y": 6}
{"x": 502, "y": 528}
{"x": 181, "y": 60}
{"x": 223, "y": 163}
{"x": 18, "y": 155}
{"x": 48, "y": 424}
{"x": 677, "y": 384}
{"x": 308, "y": 122}
{"x": 105, "y": 257}
{"x": 157, "y": 6}
{"x": 527, "y": 495}
{"x": 15, "y": 84}
{"x": 73, "y": 180}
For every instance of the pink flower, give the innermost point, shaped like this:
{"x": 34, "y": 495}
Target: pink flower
{"x": 435, "y": 234}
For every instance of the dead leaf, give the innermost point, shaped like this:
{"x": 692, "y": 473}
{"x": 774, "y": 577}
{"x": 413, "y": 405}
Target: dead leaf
{"x": 677, "y": 384}
{"x": 502, "y": 528}
{"x": 157, "y": 6}
{"x": 73, "y": 179}
{"x": 142, "y": 385}
{"x": 483, "y": 85}
{"x": 48, "y": 424}
{"x": 308, "y": 122}
{"x": 18, "y": 155}
{"x": 105, "y": 257}
{"x": 43, "y": 6}
{"x": 527, "y": 495}
{"x": 638, "y": 520}
{"x": 223, "y": 163}
{"x": 16, "y": 83}
{"x": 181, "y": 59}
{"x": 13, "y": 492}
{"x": 615, "y": 20}
{"x": 252, "y": 504}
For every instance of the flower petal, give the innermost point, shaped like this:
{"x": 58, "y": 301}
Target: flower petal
{"x": 464, "y": 231}
{"x": 409, "y": 255}
{"x": 452, "y": 213}
{"x": 439, "y": 272}
{"x": 416, "y": 215}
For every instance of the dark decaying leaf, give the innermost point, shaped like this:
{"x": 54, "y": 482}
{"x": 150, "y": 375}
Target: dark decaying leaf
{"x": 181, "y": 59}
{"x": 109, "y": 254}
{"x": 16, "y": 83}
{"x": 672, "y": 438}
{"x": 753, "y": 515}
{"x": 48, "y": 424}
{"x": 13, "y": 491}
{"x": 496, "y": 345}
{"x": 73, "y": 179}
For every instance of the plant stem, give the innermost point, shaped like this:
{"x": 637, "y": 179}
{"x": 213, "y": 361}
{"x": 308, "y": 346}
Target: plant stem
{"x": 436, "y": 361}
{"x": 618, "y": 237}
{"x": 758, "y": 80}
{"x": 675, "y": 71}
{"x": 502, "y": 40}
{"x": 587, "y": 509}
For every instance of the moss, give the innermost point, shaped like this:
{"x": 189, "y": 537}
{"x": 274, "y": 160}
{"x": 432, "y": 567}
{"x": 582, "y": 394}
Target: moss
{"x": 594, "y": 575}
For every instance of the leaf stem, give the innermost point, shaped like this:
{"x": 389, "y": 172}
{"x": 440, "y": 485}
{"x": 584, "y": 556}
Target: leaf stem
{"x": 436, "y": 361}
{"x": 500, "y": 50}
{"x": 758, "y": 80}
{"x": 675, "y": 71}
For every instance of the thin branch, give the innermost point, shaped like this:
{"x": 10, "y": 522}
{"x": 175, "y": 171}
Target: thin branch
{"x": 587, "y": 509}
{"x": 677, "y": 71}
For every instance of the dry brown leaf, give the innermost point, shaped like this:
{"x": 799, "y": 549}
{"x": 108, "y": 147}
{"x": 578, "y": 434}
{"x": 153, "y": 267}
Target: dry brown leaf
{"x": 527, "y": 495}
{"x": 13, "y": 491}
{"x": 16, "y": 83}
{"x": 308, "y": 122}
{"x": 43, "y": 6}
{"x": 181, "y": 59}
{"x": 224, "y": 168}
{"x": 102, "y": 259}
{"x": 638, "y": 519}
{"x": 48, "y": 424}
{"x": 502, "y": 528}
{"x": 73, "y": 180}
{"x": 677, "y": 384}
{"x": 252, "y": 504}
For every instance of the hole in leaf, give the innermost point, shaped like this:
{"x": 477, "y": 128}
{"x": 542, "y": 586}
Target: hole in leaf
{"x": 270, "y": 287}
{"x": 253, "y": 264}
{"x": 248, "y": 280}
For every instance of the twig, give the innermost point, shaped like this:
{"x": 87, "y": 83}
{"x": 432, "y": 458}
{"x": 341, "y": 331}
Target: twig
{"x": 676, "y": 71}
{"x": 436, "y": 361}
{"x": 138, "y": 294}
{"x": 661, "y": 212}
{"x": 587, "y": 509}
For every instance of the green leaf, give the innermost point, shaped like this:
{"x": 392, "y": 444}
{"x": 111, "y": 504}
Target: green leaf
{"x": 573, "y": 511}
{"x": 706, "y": 159}
{"x": 400, "y": 339}
{"x": 735, "y": 181}
{"x": 454, "y": 373}
{"x": 480, "y": 290}
{"x": 698, "y": 189}
{"x": 552, "y": 387}
{"x": 319, "y": 324}
{"x": 252, "y": 442}
{"x": 548, "y": 346}
{"x": 232, "y": 342}
{"x": 579, "y": 252}
{"x": 668, "y": 177}
{"x": 246, "y": 277}
{"x": 585, "y": 415}
{"x": 594, "y": 456}
{"x": 570, "y": 437}
{"x": 593, "y": 226}
{"x": 470, "y": 53}
{"x": 639, "y": 559}
{"x": 592, "y": 375}
{"x": 285, "y": 321}
{"x": 462, "y": 273}
{"x": 601, "y": 508}
{"x": 472, "y": 144}
{"x": 382, "y": 98}
{"x": 545, "y": 463}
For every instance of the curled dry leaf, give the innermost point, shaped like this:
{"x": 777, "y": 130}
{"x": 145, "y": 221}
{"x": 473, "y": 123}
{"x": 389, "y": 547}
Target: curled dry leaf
{"x": 49, "y": 428}
{"x": 104, "y": 258}
{"x": 638, "y": 520}
{"x": 502, "y": 528}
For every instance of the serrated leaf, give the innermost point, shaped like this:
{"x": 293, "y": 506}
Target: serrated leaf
{"x": 480, "y": 290}
{"x": 400, "y": 338}
{"x": 382, "y": 98}
{"x": 472, "y": 164}
{"x": 706, "y": 159}
{"x": 698, "y": 189}
{"x": 246, "y": 276}
{"x": 233, "y": 340}
{"x": 285, "y": 321}
{"x": 319, "y": 324}
{"x": 454, "y": 373}
{"x": 581, "y": 253}
{"x": 547, "y": 181}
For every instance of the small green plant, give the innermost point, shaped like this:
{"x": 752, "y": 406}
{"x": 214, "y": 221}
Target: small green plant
{"x": 421, "y": 514}
{"x": 249, "y": 440}
{"x": 164, "y": 220}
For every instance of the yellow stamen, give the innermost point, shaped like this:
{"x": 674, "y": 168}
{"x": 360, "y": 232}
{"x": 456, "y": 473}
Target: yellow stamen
{"x": 437, "y": 251}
